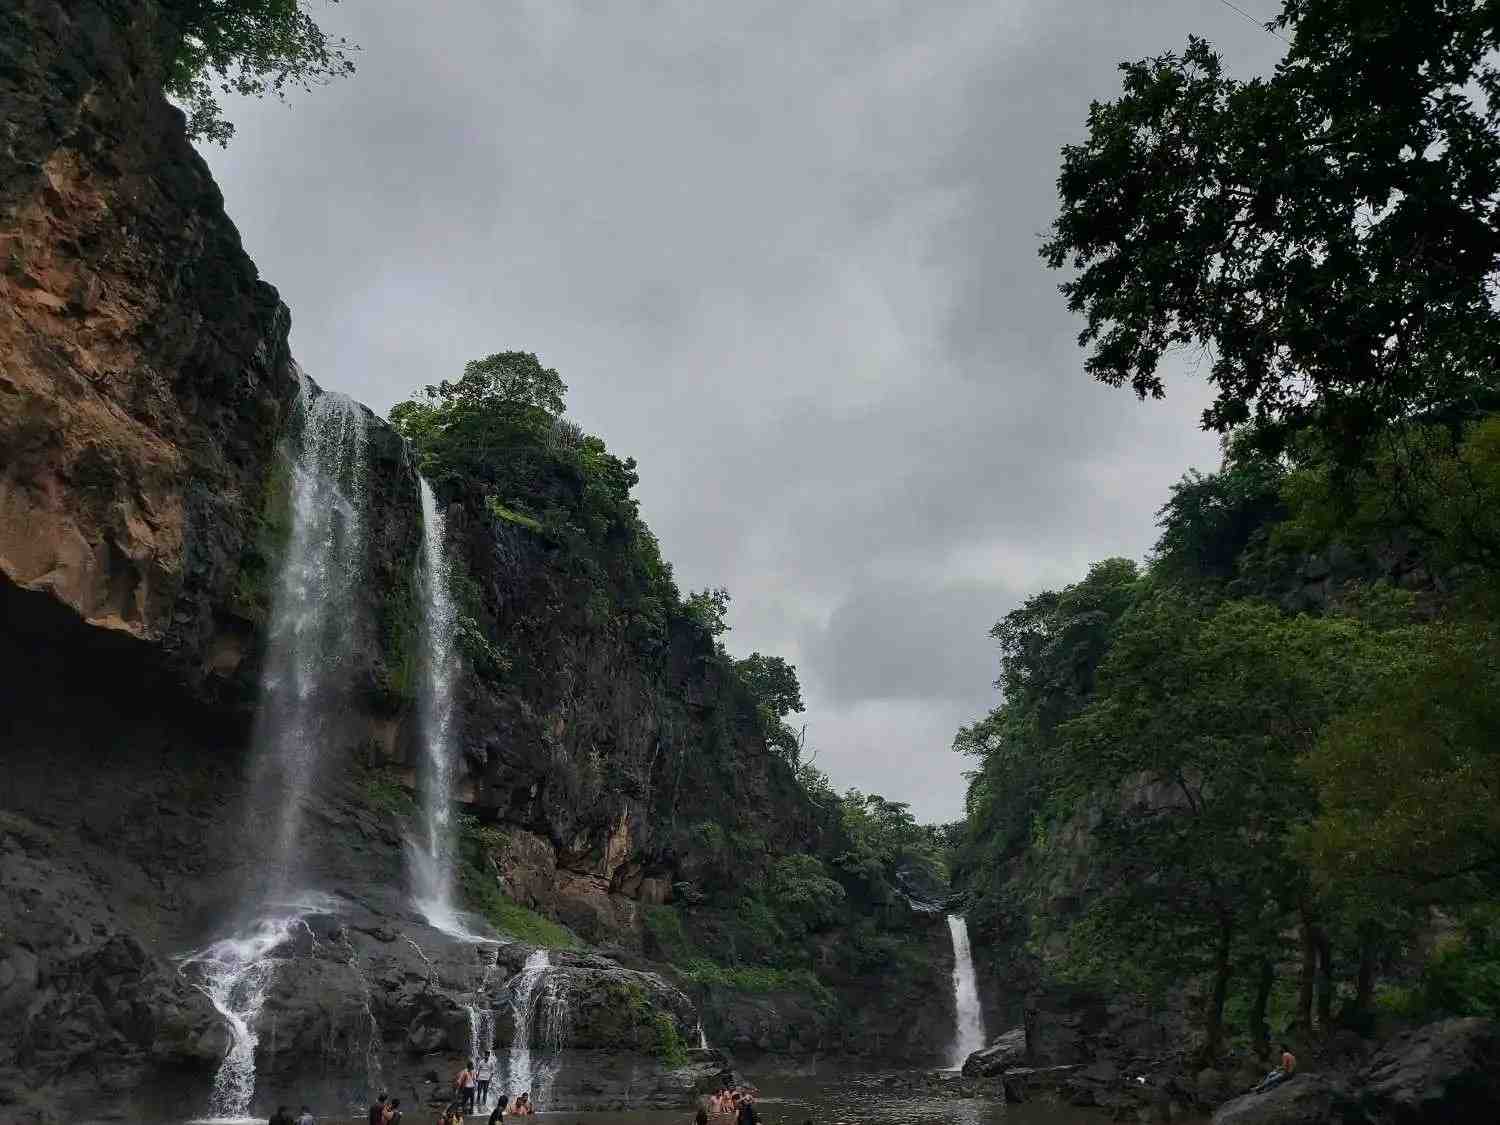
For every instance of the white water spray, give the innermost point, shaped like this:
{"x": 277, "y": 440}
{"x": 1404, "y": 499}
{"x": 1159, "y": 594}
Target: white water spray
{"x": 969, "y": 1030}
{"x": 235, "y": 974}
{"x": 520, "y": 1073}
{"x": 431, "y": 856}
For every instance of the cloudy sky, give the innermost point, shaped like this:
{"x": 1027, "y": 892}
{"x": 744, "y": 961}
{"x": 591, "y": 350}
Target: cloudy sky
{"x": 785, "y": 255}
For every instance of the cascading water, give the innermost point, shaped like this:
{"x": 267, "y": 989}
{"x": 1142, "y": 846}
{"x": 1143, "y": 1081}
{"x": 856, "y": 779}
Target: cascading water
{"x": 969, "y": 1030}
{"x": 235, "y": 974}
{"x": 431, "y": 856}
{"x": 309, "y": 642}
{"x": 482, "y": 1029}
{"x": 525, "y": 987}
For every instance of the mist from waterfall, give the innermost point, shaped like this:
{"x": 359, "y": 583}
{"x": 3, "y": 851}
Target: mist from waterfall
{"x": 968, "y": 1016}
{"x": 309, "y": 645}
{"x": 430, "y": 854}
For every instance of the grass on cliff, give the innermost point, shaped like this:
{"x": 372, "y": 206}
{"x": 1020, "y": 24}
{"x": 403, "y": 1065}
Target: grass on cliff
{"x": 510, "y": 917}
{"x": 666, "y": 929}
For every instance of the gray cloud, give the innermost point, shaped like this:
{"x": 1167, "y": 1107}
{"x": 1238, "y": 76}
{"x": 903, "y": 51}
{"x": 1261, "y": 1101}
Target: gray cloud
{"x": 785, "y": 256}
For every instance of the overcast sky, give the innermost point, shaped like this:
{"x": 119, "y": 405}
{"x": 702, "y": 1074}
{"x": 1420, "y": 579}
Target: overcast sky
{"x": 785, "y": 255}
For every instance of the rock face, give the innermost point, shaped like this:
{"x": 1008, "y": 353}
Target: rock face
{"x": 1447, "y": 1071}
{"x": 1006, "y": 1051}
{"x": 146, "y": 403}
{"x": 146, "y": 373}
{"x": 1304, "y": 1099}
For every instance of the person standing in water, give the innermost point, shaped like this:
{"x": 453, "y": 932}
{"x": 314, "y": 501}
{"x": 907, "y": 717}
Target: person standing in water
{"x": 377, "y": 1111}
{"x": 482, "y": 1076}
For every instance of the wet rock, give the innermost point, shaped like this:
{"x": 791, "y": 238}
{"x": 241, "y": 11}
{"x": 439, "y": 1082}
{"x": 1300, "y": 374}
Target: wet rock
{"x": 1004, "y": 1052}
{"x": 1446, "y": 1071}
{"x": 1304, "y": 1099}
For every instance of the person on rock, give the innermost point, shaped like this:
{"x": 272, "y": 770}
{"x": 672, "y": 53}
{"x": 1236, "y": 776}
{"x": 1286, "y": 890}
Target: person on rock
{"x": 377, "y": 1111}
{"x": 1287, "y": 1068}
{"x": 483, "y": 1074}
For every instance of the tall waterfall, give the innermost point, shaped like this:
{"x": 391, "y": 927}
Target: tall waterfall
{"x": 310, "y": 640}
{"x": 431, "y": 855}
{"x": 309, "y": 643}
{"x": 969, "y": 1021}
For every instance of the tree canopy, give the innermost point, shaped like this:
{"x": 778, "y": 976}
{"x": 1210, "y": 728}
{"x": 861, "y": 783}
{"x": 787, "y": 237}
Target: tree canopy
{"x": 247, "y": 47}
{"x": 1327, "y": 235}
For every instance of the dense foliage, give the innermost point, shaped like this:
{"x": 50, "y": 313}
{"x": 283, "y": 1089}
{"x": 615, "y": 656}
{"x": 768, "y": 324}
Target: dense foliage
{"x": 1260, "y": 773}
{"x": 250, "y": 48}
{"x": 1272, "y": 751}
{"x": 1327, "y": 234}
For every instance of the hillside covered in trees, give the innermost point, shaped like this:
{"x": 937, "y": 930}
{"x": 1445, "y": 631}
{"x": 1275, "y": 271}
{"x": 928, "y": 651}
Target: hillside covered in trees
{"x": 1254, "y": 780}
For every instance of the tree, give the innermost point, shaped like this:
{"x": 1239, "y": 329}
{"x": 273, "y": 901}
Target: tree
{"x": 1410, "y": 785}
{"x": 1192, "y": 745}
{"x": 777, "y": 693}
{"x": 1327, "y": 234}
{"x": 709, "y": 607}
{"x": 246, "y": 47}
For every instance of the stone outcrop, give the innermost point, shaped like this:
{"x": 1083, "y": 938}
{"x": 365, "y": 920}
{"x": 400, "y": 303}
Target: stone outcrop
{"x": 1446, "y": 1071}
{"x": 145, "y": 375}
{"x": 1304, "y": 1099}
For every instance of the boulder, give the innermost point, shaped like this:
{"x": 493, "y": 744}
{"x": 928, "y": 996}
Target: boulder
{"x": 1004, "y": 1052}
{"x": 1445, "y": 1072}
{"x": 1304, "y": 1099}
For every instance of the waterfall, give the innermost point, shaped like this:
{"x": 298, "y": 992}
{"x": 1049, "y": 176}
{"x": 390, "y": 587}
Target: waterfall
{"x": 309, "y": 641}
{"x": 235, "y": 974}
{"x": 431, "y": 855}
{"x": 969, "y": 1019}
{"x": 309, "y": 631}
{"x": 702, "y": 1038}
{"x": 482, "y": 1030}
{"x": 520, "y": 1072}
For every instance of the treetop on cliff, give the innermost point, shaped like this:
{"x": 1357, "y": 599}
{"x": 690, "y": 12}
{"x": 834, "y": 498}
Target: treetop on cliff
{"x": 246, "y": 47}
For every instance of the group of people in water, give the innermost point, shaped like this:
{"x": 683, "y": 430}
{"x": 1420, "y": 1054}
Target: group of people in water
{"x": 471, "y": 1093}
{"x": 729, "y": 1104}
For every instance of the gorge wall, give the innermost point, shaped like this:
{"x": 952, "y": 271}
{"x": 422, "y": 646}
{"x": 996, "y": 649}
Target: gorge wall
{"x": 146, "y": 398}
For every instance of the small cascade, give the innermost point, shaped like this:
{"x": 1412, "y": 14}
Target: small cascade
{"x": 524, "y": 987}
{"x": 235, "y": 974}
{"x": 969, "y": 1018}
{"x": 431, "y": 854}
{"x": 482, "y": 1029}
{"x": 702, "y": 1038}
{"x": 372, "y": 1041}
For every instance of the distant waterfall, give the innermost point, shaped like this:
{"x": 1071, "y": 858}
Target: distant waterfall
{"x": 969, "y": 1019}
{"x": 431, "y": 855}
{"x": 309, "y": 641}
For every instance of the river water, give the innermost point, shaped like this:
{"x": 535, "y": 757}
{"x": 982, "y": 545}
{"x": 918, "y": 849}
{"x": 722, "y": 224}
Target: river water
{"x": 872, "y": 1099}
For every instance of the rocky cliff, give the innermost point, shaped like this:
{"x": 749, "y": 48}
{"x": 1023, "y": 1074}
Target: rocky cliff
{"x": 148, "y": 413}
